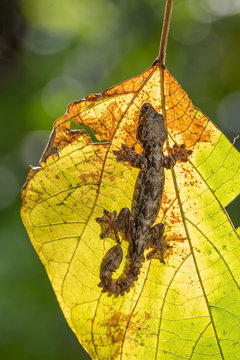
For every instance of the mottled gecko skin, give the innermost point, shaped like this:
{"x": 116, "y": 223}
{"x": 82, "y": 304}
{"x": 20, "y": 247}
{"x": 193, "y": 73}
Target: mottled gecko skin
{"x": 135, "y": 226}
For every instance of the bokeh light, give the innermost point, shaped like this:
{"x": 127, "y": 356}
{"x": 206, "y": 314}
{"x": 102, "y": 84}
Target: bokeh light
{"x": 208, "y": 59}
{"x": 228, "y": 112}
{"x": 223, "y": 7}
{"x": 46, "y": 42}
{"x": 184, "y": 28}
{"x": 32, "y": 147}
{"x": 50, "y": 15}
{"x": 58, "y": 93}
{"x": 200, "y": 12}
{"x": 86, "y": 18}
{"x": 9, "y": 188}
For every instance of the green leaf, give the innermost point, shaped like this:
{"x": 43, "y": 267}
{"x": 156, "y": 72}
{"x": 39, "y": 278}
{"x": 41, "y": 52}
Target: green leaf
{"x": 186, "y": 309}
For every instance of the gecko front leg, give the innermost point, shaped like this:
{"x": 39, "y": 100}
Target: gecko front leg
{"x": 176, "y": 153}
{"x": 128, "y": 154}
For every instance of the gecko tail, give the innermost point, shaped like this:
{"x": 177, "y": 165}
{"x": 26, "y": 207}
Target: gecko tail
{"x": 126, "y": 280}
{"x": 110, "y": 263}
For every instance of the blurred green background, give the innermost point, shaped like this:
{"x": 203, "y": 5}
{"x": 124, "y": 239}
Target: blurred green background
{"x": 54, "y": 52}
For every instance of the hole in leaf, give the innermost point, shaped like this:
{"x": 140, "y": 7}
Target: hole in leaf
{"x": 233, "y": 210}
{"x": 87, "y": 129}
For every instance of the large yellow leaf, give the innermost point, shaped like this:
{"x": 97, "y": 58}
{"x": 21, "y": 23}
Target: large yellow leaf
{"x": 188, "y": 308}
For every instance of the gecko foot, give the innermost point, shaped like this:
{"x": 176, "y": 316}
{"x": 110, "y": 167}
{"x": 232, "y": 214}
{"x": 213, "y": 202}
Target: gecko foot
{"x": 176, "y": 153}
{"x": 109, "y": 225}
{"x": 157, "y": 242}
{"x": 179, "y": 152}
{"x": 125, "y": 154}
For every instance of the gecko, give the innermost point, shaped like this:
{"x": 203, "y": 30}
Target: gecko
{"x": 136, "y": 225}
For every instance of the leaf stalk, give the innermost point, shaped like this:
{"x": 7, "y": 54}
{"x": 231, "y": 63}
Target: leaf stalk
{"x": 165, "y": 31}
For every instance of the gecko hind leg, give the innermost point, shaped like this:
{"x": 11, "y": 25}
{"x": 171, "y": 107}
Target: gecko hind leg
{"x": 111, "y": 224}
{"x": 157, "y": 243}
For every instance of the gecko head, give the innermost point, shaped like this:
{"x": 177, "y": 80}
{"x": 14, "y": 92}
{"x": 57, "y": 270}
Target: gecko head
{"x": 151, "y": 128}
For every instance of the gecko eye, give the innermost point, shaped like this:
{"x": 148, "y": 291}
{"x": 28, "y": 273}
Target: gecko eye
{"x": 142, "y": 120}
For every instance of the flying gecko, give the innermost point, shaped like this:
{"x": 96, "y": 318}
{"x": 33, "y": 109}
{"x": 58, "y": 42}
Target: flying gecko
{"x": 136, "y": 226}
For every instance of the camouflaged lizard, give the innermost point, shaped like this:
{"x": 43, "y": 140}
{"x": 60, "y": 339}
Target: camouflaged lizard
{"x": 135, "y": 226}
